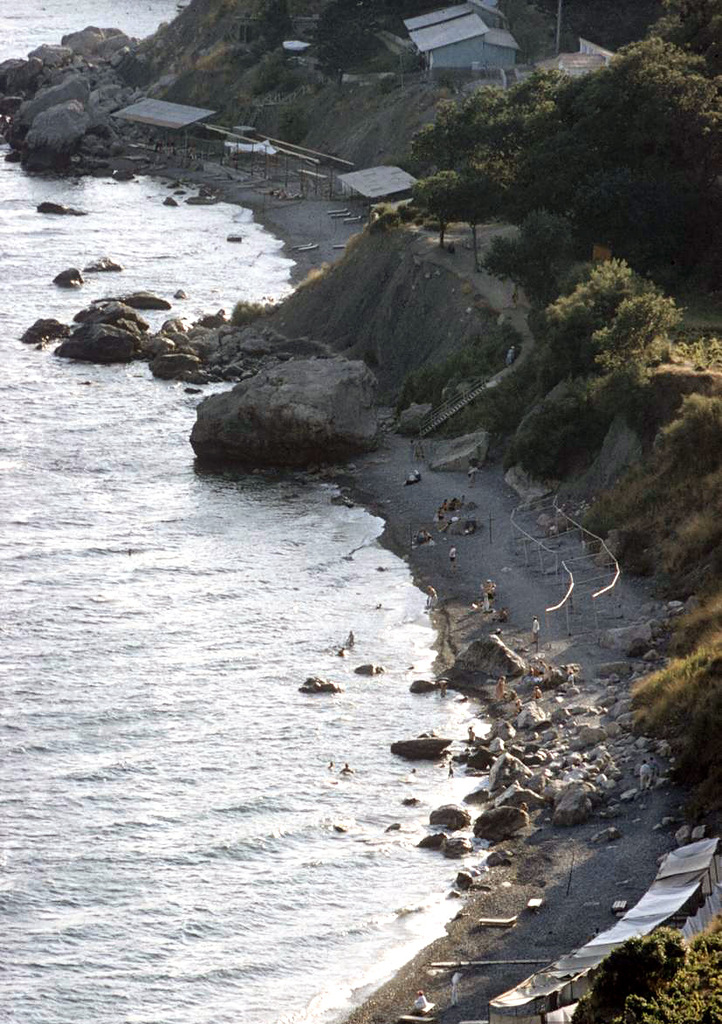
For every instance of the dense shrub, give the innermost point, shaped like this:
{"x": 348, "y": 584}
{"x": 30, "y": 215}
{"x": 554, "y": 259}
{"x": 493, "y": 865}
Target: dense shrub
{"x": 245, "y": 312}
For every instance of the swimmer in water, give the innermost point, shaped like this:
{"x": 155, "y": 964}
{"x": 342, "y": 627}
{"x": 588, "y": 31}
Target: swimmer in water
{"x": 347, "y": 769}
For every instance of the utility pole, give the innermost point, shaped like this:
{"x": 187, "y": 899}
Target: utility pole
{"x": 559, "y": 26}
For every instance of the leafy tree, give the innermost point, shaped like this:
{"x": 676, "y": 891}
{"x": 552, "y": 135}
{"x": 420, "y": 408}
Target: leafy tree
{"x": 477, "y": 200}
{"x": 640, "y": 323}
{"x": 532, "y": 28}
{"x": 275, "y": 23}
{"x": 536, "y": 258}
{"x": 611, "y": 317}
{"x": 344, "y": 35}
{"x": 439, "y": 194}
{"x": 696, "y": 26}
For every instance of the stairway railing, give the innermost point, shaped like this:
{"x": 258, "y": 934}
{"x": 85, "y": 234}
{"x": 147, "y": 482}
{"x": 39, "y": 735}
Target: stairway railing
{"x": 451, "y": 406}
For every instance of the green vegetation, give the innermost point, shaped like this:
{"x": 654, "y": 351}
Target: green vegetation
{"x": 482, "y": 357}
{"x": 245, "y": 312}
{"x": 657, "y": 980}
{"x": 629, "y": 155}
{"x": 537, "y": 258}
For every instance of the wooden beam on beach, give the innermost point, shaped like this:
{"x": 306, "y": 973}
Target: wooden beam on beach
{"x": 497, "y": 922}
{"x": 457, "y": 965}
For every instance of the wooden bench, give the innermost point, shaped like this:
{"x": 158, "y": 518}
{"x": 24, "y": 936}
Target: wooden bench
{"x": 498, "y": 922}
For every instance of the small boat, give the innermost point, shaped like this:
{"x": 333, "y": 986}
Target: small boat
{"x": 234, "y": 238}
{"x": 305, "y": 248}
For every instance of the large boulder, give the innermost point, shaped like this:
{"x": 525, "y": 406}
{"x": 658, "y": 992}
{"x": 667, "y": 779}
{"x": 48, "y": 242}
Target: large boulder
{"x": 412, "y": 417}
{"x": 111, "y": 312}
{"x": 480, "y": 759}
{"x": 450, "y": 816}
{"x": 517, "y": 796}
{"x": 74, "y": 87}
{"x": 574, "y": 805}
{"x": 98, "y": 343}
{"x": 527, "y": 487}
{"x": 490, "y": 656}
{"x": 104, "y": 265}
{"x": 20, "y": 76}
{"x": 457, "y": 846}
{"x": 175, "y": 365}
{"x": 90, "y": 41}
{"x": 302, "y": 412}
{"x": 52, "y": 56}
{"x": 423, "y": 748}
{"x": 45, "y": 330}
{"x": 533, "y": 717}
{"x": 54, "y": 137}
{"x": 499, "y": 823}
{"x": 69, "y": 278}
{"x": 507, "y": 770}
{"x": 633, "y": 640}
{"x": 59, "y": 210}
{"x": 145, "y": 300}
{"x": 455, "y": 456}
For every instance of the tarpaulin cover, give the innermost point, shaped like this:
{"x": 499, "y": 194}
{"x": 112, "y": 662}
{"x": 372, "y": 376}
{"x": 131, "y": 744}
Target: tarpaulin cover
{"x": 250, "y": 147}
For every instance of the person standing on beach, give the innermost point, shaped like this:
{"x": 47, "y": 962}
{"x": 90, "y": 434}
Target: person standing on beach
{"x": 500, "y": 692}
{"x": 535, "y": 629}
{"x": 452, "y": 558}
{"x": 431, "y": 598}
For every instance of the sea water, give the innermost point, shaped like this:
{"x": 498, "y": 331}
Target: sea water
{"x": 174, "y": 847}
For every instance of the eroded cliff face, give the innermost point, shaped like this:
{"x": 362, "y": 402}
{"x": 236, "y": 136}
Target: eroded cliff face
{"x": 389, "y": 304}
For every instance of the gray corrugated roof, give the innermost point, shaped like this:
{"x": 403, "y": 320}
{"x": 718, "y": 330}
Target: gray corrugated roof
{"x": 434, "y": 17}
{"x": 448, "y": 32}
{"x": 373, "y": 182}
{"x": 500, "y": 37}
{"x": 162, "y": 114}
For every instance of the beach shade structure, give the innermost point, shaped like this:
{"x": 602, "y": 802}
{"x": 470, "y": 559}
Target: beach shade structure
{"x": 687, "y": 879}
{"x": 160, "y": 114}
{"x": 377, "y": 182}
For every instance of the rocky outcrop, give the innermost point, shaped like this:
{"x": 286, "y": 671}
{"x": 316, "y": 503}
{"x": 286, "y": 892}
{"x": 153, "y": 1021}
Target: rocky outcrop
{"x": 52, "y": 56}
{"x": 500, "y": 823}
{"x": 99, "y": 343}
{"x": 43, "y": 331}
{"x": 457, "y": 455}
{"x": 457, "y": 846}
{"x": 105, "y": 265}
{"x": 423, "y": 748}
{"x": 369, "y": 670}
{"x": 423, "y": 686}
{"x": 489, "y": 656}
{"x": 92, "y": 41}
{"x": 302, "y": 412}
{"x": 526, "y": 486}
{"x": 70, "y": 278}
{"x": 58, "y": 210}
{"x": 450, "y": 816}
{"x": 109, "y": 311}
{"x": 54, "y": 137}
{"x": 316, "y": 684}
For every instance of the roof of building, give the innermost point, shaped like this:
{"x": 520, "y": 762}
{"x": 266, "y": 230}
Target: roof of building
{"x": 587, "y": 46}
{"x": 434, "y": 17}
{"x": 448, "y": 32}
{"x": 500, "y": 37}
{"x": 162, "y": 114}
{"x": 574, "y": 63}
{"x": 374, "y": 182}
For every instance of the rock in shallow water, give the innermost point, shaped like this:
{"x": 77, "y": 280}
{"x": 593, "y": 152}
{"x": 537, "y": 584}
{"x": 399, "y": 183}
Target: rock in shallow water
{"x": 99, "y": 343}
{"x": 307, "y": 411}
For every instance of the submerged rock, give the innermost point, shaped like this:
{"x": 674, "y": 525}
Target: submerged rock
{"x": 450, "y": 816}
{"x": 103, "y": 266}
{"x": 70, "y": 278}
{"x": 59, "y": 210}
{"x": 316, "y": 684}
{"x": 307, "y": 411}
{"x": 146, "y": 300}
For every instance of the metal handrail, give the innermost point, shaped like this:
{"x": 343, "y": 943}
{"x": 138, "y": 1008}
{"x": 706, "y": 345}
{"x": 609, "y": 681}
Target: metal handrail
{"x": 447, "y": 409}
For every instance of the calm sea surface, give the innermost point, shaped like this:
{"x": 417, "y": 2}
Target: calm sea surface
{"x": 167, "y": 840}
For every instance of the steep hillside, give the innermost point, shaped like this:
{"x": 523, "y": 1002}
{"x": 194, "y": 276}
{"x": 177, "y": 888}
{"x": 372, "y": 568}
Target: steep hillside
{"x": 386, "y": 304}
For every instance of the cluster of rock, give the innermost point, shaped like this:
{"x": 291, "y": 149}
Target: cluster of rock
{"x": 564, "y": 759}
{"x": 62, "y": 97}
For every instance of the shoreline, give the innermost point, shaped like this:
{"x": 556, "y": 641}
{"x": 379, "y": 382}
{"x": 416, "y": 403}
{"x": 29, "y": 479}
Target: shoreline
{"x": 577, "y": 879}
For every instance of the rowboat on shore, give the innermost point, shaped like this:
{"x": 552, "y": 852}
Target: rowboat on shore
{"x": 305, "y": 248}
